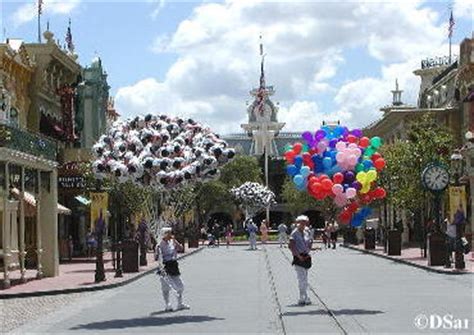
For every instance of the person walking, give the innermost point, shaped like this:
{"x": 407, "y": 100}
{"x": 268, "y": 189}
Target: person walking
{"x": 282, "y": 235}
{"x": 166, "y": 254}
{"x": 264, "y": 231}
{"x": 203, "y": 235}
{"x": 216, "y": 231}
{"x": 311, "y": 237}
{"x": 252, "y": 230}
{"x": 228, "y": 235}
{"x": 334, "y": 229}
{"x": 299, "y": 246}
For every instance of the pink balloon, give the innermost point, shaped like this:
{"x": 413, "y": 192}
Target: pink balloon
{"x": 340, "y": 157}
{"x": 340, "y": 146}
{"x": 352, "y": 159}
{"x": 351, "y": 193}
{"x": 337, "y": 189}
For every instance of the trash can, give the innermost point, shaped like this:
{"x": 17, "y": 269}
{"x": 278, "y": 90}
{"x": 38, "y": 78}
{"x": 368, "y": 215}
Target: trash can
{"x": 130, "y": 256}
{"x": 369, "y": 238}
{"x": 394, "y": 243}
{"x": 436, "y": 249}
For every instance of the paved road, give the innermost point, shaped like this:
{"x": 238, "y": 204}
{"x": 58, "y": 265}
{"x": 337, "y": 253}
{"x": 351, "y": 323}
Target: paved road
{"x": 240, "y": 291}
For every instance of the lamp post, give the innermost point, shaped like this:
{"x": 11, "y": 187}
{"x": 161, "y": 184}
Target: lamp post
{"x": 459, "y": 218}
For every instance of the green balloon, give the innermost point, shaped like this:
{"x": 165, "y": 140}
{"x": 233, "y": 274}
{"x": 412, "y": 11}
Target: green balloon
{"x": 376, "y": 142}
{"x": 370, "y": 151}
{"x": 287, "y": 147}
{"x": 359, "y": 167}
{"x": 305, "y": 148}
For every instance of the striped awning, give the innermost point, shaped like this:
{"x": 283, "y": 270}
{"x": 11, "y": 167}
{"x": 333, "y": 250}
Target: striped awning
{"x": 31, "y": 200}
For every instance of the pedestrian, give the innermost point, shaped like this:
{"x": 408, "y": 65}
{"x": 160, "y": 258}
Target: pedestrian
{"x": 282, "y": 235}
{"x": 311, "y": 237}
{"x": 217, "y": 233}
{"x": 203, "y": 235}
{"x": 228, "y": 235}
{"x": 327, "y": 233}
{"x": 333, "y": 234}
{"x": 90, "y": 243}
{"x": 252, "y": 230}
{"x": 166, "y": 254}
{"x": 264, "y": 231}
{"x": 70, "y": 247}
{"x": 451, "y": 237}
{"x": 299, "y": 242}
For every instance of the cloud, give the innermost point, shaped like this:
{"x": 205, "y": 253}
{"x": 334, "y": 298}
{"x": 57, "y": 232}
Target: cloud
{"x": 463, "y": 9}
{"x": 306, "y": 45}
{"x": 160, "y": 4}
{"x": 28, "y": 12}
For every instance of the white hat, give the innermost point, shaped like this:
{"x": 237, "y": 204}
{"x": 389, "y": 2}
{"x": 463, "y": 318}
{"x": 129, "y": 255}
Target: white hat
{"x": 165, "y": 230}
{"x": 302, "y": 218}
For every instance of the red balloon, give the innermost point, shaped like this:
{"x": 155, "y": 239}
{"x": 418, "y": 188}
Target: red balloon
{"x": 351, "y": 138}
{"x": 375, "y": 156}
{"x": 380, "y": 193}
{"x": 379, "y": 163}
{"x": 290, "y": 156}
{"x": 297, "y": 147}
{"x": 306, "y": 158}
{"x": 327, "y": 184}
{"x": 353, "y": 207}
{"x": 338, "y": 178}
{"x": 364, "y": 142}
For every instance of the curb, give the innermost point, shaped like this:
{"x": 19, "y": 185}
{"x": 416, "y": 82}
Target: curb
{"x": 398, "y": 260}
{"x": 87, "y": 289}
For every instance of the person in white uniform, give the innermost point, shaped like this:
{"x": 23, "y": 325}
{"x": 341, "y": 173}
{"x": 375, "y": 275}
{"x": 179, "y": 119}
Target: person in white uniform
{"x": 282, "y": 235}
{"x": 166, "y": 254}
{"x": 299, "y": 246}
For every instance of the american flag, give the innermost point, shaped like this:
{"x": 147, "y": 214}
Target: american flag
{"x": 451, "y": 25}
{"x": 69, "y": 43}
{"x": 40, "y": 7}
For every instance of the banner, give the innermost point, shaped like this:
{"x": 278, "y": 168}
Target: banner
{"x": 457, "y": 204}
{"x": 99, "y": 204}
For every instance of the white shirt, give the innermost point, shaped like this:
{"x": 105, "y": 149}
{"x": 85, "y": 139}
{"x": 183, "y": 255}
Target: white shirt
{"x": 167, "y": 251}
{"x": 282, "y": 228}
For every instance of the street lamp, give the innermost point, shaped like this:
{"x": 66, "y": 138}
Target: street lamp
{"x": 457, "y": 172}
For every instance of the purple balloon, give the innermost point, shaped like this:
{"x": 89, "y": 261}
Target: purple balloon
{"x": 307, "y": 136}
{"x": 332, "y": 143}
{"x": 349, "y": 177}
{"x": 356, "y": 132}
{"x": 357, "y": 185}
{"x": 320, "y": 134}
{"x": 345, "y": 132}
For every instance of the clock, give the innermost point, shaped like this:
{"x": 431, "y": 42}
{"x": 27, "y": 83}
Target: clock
{"x": 435, "y": 177}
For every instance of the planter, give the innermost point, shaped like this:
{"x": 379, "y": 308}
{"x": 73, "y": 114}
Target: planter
{"x": 369, "y": 239}
{"x": 130, "y": 257}
{"x": 394, "y": 241}
{"x": 193, "y": 243}
{"x": 436, "y": 249}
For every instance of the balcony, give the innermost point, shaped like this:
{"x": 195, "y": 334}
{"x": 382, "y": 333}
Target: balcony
{"x": 30, "y": 143}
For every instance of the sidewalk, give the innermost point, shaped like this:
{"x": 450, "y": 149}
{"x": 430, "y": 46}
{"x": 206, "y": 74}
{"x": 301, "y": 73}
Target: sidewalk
{"x": 414, "y": 257}
{"x": 77, "y": 276}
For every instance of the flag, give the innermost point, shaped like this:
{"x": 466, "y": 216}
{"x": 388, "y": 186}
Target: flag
{"x": 451, "y": 25}
{"x": 261, "y": 46}
{"x": 69, "y": 43}
{"x": 40, "y": 7}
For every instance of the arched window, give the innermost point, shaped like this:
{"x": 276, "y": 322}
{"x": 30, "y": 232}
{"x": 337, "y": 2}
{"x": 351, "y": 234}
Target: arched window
{"x": 14, "y": 117}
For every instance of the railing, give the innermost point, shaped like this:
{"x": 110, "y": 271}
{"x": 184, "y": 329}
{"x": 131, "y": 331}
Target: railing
{"x": 27, "y": 142}
{"x": 444, "y": 73}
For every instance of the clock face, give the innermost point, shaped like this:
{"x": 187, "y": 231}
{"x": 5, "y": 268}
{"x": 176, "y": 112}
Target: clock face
{"x": 436, "y": 178}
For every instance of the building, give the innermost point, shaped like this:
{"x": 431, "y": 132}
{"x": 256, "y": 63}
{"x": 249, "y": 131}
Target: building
{"x": 446, "y": 92}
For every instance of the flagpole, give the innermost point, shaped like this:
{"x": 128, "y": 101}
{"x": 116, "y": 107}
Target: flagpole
{"x": 39, "y": 21}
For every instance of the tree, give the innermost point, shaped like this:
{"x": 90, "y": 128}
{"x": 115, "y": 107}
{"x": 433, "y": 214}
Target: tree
{"x": 240, "y": 170}
{"x": 297, "y": 201}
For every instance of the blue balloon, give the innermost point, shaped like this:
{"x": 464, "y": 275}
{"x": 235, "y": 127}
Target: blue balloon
{"x": 327, "y": 162}
{"x": 298, "y": 180}
{"x": 367, "y": 164}
{"x": 338, "y": 131}
{"x": 305, "y": 171}
{"x": 292, "y": 170}
{"x": 298, "y": 161}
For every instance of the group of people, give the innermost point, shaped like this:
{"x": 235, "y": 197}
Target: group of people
{"x": 329, "y": 235}
{"x": 213, "y": 236}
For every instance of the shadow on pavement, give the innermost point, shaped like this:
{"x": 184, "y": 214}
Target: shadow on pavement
{"x": 145, "y": 322}
{"x": 336, "y": 312}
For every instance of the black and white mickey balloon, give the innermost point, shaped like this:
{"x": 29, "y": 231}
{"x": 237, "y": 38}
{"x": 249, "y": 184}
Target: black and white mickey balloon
{"x": 160, "y": 151}
{"x": 253, "y": 196}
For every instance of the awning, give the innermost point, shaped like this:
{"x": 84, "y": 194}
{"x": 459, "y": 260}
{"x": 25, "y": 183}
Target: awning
{"x": 31, "y": 200}
{"x": 83, "y": 200}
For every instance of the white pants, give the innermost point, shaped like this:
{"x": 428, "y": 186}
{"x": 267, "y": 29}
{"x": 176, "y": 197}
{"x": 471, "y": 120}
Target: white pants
{"x": 283, "y": 239}
{"x": 302, "y": 275}
{"x": 253, "y": 241}
{"x": 175, "y": 283}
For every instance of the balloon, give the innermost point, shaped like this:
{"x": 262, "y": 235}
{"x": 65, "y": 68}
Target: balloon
{"x": 332, "y": 143}
{"x": 361, "y": 177}
{"x": 298, "y": 161}
{"x": 367, "y": 164}
{"x": 351, "y": 138}
{"x": 338, "y": 178}
{"x": 371, "y": 175}
{"x": 327, "y": 162}
{"x": 298, "y": 180}
{"x": 291, "y": 170}
{"x": 340, "y": 146}
{"x": 327, "y": 184}
{"x": 357, "y": 185}
{"x": 337, "y": 189}
{"x": 305, "y": 171}
{"x": 351, "y": 192}
{"x": 364, "y": 142}
{"x": 297, "y": 147}
{"x": 376, "y": 142}
{"x": 349, "y": 176}
{"x": 308, "y": 137}
{"x": 320, "y": 134}
{"x": 379, "y": 164}
{"x": 356, "y": 132}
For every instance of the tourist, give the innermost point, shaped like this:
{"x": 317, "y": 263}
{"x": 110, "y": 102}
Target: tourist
{"x": 166, "y": 254}
{"x": 299, "y": 242}
{"x": 311, "y": 237}
{"x": 91, "y": 243}
{"x": 327, "y": 234}
{"x": 282, "y": 234}
{"x": 252, "y": 230}
{"x": 216, "y": 231}
{"x": 264, "y": 231}
{"x": 203, "y": 235}
{"x": 451, "y": 237}
{"x": 228, "y": 235}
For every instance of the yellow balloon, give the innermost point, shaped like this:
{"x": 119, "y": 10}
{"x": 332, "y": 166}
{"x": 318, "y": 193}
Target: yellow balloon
{"x": 361, "y": 177}
{"x": 365, "y": 188}
{"x": 371, "y": 175}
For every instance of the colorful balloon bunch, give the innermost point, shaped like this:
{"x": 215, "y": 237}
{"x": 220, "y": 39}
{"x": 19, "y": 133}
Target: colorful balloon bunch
{"x": 253, "y": 196}
{"x": 160, "y": 151}
{"x": 341, "y": 164}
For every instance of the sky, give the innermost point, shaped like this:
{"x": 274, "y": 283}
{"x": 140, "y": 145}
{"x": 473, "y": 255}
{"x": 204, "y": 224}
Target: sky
{"x": 327, "y": 60}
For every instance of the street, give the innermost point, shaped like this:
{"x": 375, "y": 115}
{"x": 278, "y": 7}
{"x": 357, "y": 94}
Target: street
{"x": 240, "y": 291}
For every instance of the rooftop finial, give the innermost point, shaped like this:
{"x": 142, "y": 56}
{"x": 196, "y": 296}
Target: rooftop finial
{"x": 397, "y": 95}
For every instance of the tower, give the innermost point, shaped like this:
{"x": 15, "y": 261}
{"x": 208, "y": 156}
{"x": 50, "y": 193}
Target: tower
{"x": 397, "y": 95}
{"x": 263, "y": 125}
